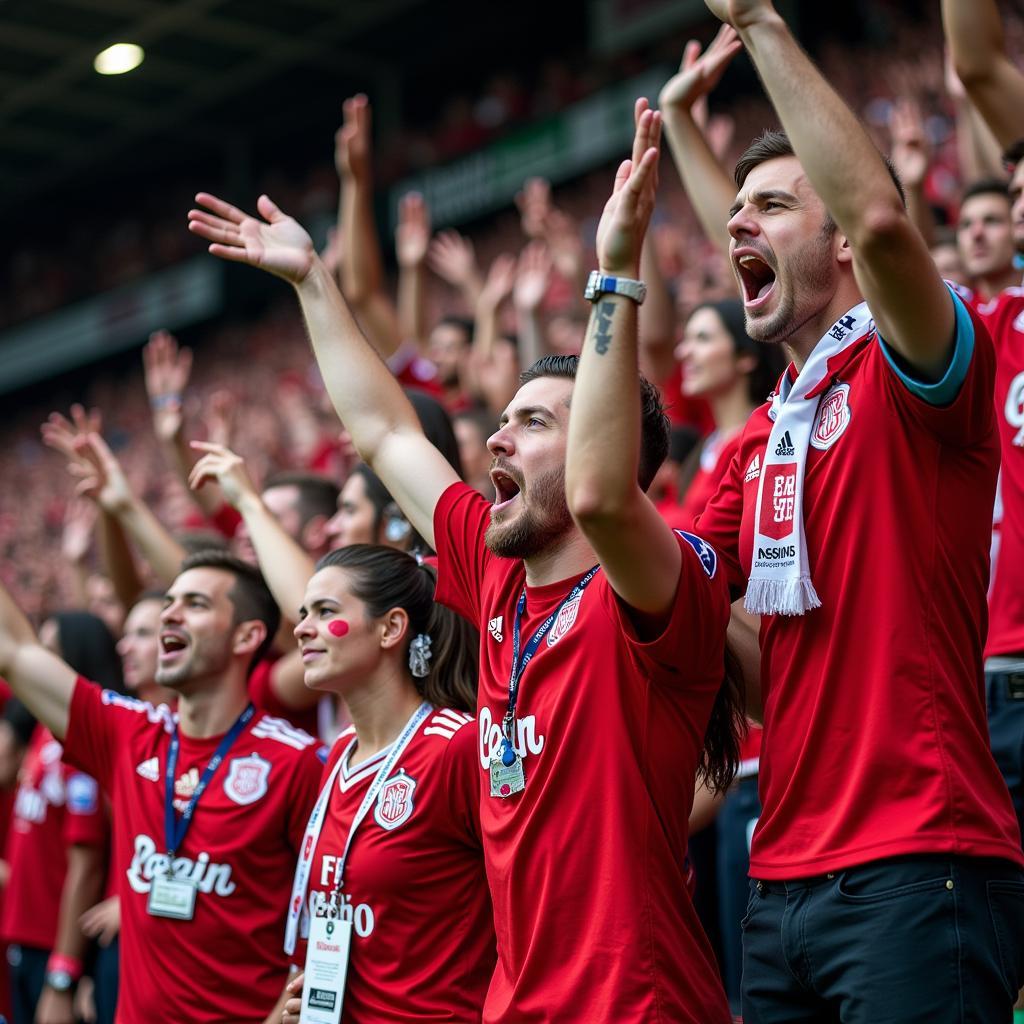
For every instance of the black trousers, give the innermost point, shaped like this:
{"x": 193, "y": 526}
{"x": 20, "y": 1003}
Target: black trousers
{"x": 28, "y": 970}
{"x": 903, "y": 941}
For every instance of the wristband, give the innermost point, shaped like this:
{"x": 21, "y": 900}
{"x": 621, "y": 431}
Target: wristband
{"x": 59, "y": 963}
{"x": 172, "y": 398}
{"x": 599, "y": 284}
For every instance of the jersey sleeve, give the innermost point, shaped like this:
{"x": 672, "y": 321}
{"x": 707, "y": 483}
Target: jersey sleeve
{"x": 694, "y": 635}
{"x": 98, "y": 720}
{"x": 461, "y": 771}
{"x": 460, "y": 522}
{"x": 957, "y": 409}
{"x": 86, "y": 820}
{"x": 302, "y": 794}
{"x": 719, "y": 524}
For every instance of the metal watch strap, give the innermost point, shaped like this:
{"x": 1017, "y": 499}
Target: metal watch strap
{"x": 599, "y": 284}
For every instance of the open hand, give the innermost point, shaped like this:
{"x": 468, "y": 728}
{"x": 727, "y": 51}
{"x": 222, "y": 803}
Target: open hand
{"x": 453, "y": 259}
{"x": 412, "y": 236}
{"x": 103, "y": 921}
{"x": 224, "y": 467}
{"x": 100, "y": 476}
{"x": 79, "y": 522}
{"x": 501, "y": 278}
{"x": 620, "y": 233}
{"x": 277, "y": 244}
{"x": 533, "y": 275}
{"x": 352, "y": 140}
{"x": 166, "y": 369}
{"x": 698, "y": 74}
{"x": 910, "y": 150}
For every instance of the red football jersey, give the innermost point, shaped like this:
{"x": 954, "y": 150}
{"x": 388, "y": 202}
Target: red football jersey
{"x": 875, "y": 731}
{"x": 1004, "y": 317}
{"x": 226, "y": 964}
{"x": 714, "y": 464}
{"x": 54, "y": 807}
{"x": 261, "y": 693}
{"x": 422, "y": 927}
{"x": 587, "y": 865}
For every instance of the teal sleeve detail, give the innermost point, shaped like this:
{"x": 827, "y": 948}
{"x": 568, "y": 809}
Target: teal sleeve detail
{"x": 944, "y": 391}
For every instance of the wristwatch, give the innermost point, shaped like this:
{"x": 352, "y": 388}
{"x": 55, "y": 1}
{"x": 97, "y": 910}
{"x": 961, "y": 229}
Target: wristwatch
{"x": 599, "y": 284}
{"x": 59, "y": 981}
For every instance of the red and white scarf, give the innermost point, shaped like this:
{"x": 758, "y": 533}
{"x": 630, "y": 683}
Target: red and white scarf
{"x": 780, "y": 577}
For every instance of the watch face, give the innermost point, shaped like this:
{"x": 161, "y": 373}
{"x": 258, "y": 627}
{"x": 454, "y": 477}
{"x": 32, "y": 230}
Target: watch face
{"x": 59, "y": 981}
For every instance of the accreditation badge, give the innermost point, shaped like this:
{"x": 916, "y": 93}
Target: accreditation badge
{"x": 172, "y": 897}
{"x": 323, "y": 988}
{"x": 506, "y": 772}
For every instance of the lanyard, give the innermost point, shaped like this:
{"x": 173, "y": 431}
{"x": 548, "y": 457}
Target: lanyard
{"x": 316, "y": 823}
{"x": 519, "y": 664}
{"x": 175, "y": 830}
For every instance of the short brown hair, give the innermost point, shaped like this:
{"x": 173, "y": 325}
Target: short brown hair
{"x": 773, "y": 144}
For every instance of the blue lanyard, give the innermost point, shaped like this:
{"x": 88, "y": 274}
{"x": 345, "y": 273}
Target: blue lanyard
{"x": 519, "y": 664}
{"x": 175, "y": 829}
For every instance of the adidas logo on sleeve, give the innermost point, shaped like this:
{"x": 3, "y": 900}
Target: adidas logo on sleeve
{"x": 494, "y": 627}
{"x": 753, "y": 470}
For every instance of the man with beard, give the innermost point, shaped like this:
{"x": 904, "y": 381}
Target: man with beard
{"x": 203, "y": 850}
{"x": 857, "y": 517}
{"x": 588, "y": 757}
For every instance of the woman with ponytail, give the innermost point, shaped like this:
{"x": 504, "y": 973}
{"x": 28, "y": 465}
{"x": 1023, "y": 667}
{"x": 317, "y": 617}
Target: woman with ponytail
{"x": 392, "y": 854}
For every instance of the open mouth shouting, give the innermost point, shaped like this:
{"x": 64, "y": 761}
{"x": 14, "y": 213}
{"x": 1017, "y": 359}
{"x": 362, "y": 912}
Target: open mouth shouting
{"x": 756, "y": 276}
{"x": 506, "y": 489}
{"x": 172, "y": 646}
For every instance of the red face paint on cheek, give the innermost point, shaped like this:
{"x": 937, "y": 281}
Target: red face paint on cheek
{"x": 337, "y": 627}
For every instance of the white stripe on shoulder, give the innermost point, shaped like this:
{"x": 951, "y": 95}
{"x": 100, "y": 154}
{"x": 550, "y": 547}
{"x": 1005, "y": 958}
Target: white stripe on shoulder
{"x": 447, "y": 722}
{"x": 281, "y": 730}
{"x": 158, "y": 715}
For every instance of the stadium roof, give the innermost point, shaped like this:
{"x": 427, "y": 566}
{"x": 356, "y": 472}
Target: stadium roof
{"x": 59, "y": 120}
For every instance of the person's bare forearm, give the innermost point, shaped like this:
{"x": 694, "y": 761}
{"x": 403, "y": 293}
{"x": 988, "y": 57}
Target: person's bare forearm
{"x": 657, "y": 323}
{"x": 365, "y": 394}
{"x": 285, "y": 566}
{"x": 83, "y": 888}
{"x": 851, "y": 179}
{"x": 977, "y": 148}
{"x": 179, "y": 455}
{"x": 117, "y": 560}
{"x": 412, "y": 316}
{"x": 706, "y": 182}
{"x": 362, "y": 266}
{"x": 921, "y": 214}
{"x": 530, "y": 333}
{"x": 974, "y": 31}
{"x": 39, "y": 679}
{"x": 154, "y": 542}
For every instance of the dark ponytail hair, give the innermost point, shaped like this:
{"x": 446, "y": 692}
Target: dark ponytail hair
{"x": 88, "y": 646}
{"x": 385, "y": 578}
{"x": 727, "y": 727}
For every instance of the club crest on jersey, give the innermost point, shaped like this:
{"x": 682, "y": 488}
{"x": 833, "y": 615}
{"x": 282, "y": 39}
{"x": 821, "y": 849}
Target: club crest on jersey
{"x": 833, "y": 417}
{"x": 394, "y": 802}
{"x": 705, "y": 552}
{"x": 1015, "y": 408}
{"x": 247, "y": 778}
{"x": 495, "y": 628}
{"x": 565, "y": 620}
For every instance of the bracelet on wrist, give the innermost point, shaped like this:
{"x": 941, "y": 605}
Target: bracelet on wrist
{"x": 61, "y": 963}
{"x": 171, "y": 400}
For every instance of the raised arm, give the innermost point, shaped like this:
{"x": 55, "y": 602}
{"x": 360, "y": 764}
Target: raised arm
{"x": 39, "y": 679}
{"x": 633, "y": 543}
{"x": 706, "y": 181}
{"x": 895, "y": 272}
{"x": 166, "y": 370}
{"x": 911, "y": 155}
{"x": 370, "y": 402}
{"x": 362, "y": 267}
{"x": 974, "y": 31}
{"x": 412, "y": 237}
{"x": 285, "y": 566}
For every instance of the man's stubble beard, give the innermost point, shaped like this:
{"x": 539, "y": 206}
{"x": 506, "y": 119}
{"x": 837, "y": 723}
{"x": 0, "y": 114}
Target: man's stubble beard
{"x": 812, "y": 273}
{"x": 533, "y": 532}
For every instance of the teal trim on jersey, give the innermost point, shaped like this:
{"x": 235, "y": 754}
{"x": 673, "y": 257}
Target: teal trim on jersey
{"x": 942, "y": 392}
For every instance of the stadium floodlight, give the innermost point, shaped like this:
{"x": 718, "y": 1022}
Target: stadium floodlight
{"x": 119, "y": 58}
